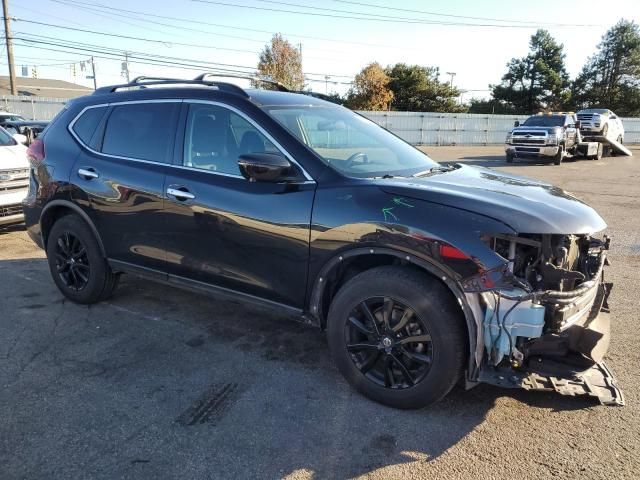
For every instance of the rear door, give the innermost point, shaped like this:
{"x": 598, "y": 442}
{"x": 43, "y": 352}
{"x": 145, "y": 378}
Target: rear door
{"x": 119, "y": 176}
{"x": 223, "y": 230}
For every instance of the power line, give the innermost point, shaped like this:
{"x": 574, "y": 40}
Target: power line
{"x": 360, "y": 16}
{"x": 78, "y": 4}
{"x": 438, "y": 14}
{"x": 100, "y": 49}
{"x": 128, "y": 37}
{"x": 74, "y": 4}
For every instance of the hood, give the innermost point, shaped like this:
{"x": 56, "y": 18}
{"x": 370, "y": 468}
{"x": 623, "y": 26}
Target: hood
{"x": 13, "y": 156}
{"x": 525, "y": 205}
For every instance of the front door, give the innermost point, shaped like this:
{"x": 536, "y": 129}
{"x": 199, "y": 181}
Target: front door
{"x": 223, "y": 230}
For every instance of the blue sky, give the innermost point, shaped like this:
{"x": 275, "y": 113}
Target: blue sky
{"x": 341, "y": 46}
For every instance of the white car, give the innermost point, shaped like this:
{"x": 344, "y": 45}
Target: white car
{"x": 14, "y": 177}
{"x": 601, "y": 122}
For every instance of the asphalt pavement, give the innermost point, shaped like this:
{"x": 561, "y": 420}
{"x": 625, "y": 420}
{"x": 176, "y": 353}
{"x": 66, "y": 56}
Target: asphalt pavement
{"x": 162, "y": 383}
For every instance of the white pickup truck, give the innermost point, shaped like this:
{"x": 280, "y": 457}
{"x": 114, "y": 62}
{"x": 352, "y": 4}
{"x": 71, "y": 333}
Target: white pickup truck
{"x": 14, "y": 177}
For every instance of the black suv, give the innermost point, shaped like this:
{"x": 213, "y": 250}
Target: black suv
{"x": 422, "y": 274}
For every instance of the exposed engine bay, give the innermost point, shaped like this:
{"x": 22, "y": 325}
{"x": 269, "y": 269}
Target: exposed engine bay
{"x": 550, "y": 329}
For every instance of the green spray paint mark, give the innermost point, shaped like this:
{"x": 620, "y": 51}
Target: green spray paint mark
{"x": 401, "y": 201}
{"x": 388, "y": 213}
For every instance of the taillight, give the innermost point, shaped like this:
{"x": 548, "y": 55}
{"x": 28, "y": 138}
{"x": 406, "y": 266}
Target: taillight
{"x": 35, "y": 153}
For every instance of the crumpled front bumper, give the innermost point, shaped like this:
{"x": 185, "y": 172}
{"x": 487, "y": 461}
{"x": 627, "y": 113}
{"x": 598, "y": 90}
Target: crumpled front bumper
{"x": 555, "y": 340}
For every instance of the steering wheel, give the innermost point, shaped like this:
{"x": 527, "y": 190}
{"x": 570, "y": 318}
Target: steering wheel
{"x": 352, "y": 159}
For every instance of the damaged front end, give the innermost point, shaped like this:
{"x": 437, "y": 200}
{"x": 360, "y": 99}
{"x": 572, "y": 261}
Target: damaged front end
{"x": 544, "y": 316}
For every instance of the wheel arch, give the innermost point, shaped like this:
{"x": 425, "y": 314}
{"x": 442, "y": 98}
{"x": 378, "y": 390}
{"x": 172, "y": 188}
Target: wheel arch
{"x": 56, "y": 209}
{"x": 320, "y": 297}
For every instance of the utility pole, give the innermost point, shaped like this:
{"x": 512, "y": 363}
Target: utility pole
{"x": 452, "y": 74}
{"x": 326, "y": 84}
{"x": 9, "y": 40}
{"x": 93, "y": 71}
{"x": 126, "y": 65}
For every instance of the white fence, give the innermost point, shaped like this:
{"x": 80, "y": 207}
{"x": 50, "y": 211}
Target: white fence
{"x": 418, "y": 128}
{"x": 423, "y": 128}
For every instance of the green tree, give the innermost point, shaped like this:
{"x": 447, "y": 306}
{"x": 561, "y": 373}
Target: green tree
{"x": 611, "y": 77}
{"x": 538, "y": 81}
{"x": 498, "y": 107}
{"x": 281, "y": 62}
{"x": 418, "y": 89}
{"x": 370, "y": 90}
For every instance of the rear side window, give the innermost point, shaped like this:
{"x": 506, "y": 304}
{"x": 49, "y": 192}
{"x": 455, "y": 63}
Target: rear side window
{"x": 87, "y": 124}
{"x": 141, "y": 130}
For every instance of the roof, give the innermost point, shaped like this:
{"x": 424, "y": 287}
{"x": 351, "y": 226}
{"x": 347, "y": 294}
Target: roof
{"x": 43, "y": 87}
{"x": 270, "y": 98}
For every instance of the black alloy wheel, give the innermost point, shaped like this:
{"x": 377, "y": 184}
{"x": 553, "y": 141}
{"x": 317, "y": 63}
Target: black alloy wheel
{"x": 72, "y": 262}
{"x": 389, "y": 343}
{"x": 398, "y": 336}
{"x": 76, "y": 262}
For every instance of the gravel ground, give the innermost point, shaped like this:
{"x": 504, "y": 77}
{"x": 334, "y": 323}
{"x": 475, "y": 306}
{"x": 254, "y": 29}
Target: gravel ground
{"x": 159, "y": 383}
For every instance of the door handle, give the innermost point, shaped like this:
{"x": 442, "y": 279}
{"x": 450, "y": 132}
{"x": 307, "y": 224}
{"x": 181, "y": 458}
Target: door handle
{"x": 88, "y": 173}
{"x": 180, "y": 193}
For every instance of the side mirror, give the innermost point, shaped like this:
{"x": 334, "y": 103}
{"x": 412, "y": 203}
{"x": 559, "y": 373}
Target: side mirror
{"x": 516, "y": 123}
{"x": 578, "y": 124}
{"x": 18, "y": 137}
{"x": 265, "y": 167}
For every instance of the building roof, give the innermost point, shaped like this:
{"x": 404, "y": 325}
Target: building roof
{"x": 43, "y": 87}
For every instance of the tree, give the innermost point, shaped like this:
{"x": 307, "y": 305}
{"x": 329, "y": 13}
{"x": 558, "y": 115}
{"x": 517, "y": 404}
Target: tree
{"x": 493, "y": 106}
{"x": 281, "y": 62}
{"x": 538, "y": 81}
{"x": 611, "y": 77}
{"x": 418, "y": 89}
{"x": 370, "y": 90}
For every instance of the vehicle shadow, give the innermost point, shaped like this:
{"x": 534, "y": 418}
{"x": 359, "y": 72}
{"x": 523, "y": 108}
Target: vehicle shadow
{"x": 136, "y": 363}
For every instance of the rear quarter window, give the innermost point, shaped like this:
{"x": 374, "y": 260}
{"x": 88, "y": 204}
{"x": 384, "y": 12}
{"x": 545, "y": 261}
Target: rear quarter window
{"x": 85, "y": 126}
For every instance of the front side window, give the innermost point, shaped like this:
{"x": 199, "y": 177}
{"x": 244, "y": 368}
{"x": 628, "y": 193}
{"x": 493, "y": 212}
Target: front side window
{"x": 215, "y": 137}
{"x": 350, "y": 143}
{"x": 141, "y": 130}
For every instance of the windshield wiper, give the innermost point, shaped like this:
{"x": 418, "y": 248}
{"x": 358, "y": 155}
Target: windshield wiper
{"x": 434, "y": 170}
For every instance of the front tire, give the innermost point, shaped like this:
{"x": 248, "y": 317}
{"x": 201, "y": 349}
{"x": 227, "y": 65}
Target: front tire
{"x": 77, "y": 265}
{"x": 557, "y": 159}
{"x": 509, "y": 157}
{"x": 397, "y": 336}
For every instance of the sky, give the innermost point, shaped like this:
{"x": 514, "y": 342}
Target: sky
{"x": 232, "y": 32}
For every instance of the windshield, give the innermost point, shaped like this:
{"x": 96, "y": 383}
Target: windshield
{"x": 595, "y": 110}
{"x": 350, "y": 143}
{"x": 11, "y": 118}
{"x": 6, "y": 139}
{"x": 544, "y": 121}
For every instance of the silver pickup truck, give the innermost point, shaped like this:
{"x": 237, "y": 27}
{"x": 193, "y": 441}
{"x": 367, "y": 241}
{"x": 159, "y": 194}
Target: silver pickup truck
{"x": 551, "y": 135}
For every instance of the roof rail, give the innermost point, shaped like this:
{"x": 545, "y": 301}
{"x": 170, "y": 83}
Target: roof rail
{"x": 143, "y": 82}
{"x": 253, "y": 78}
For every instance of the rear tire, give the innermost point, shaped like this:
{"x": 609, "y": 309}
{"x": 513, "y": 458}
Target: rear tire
{"x": 77, "y": 265}
{"x": 402, "y": 365}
